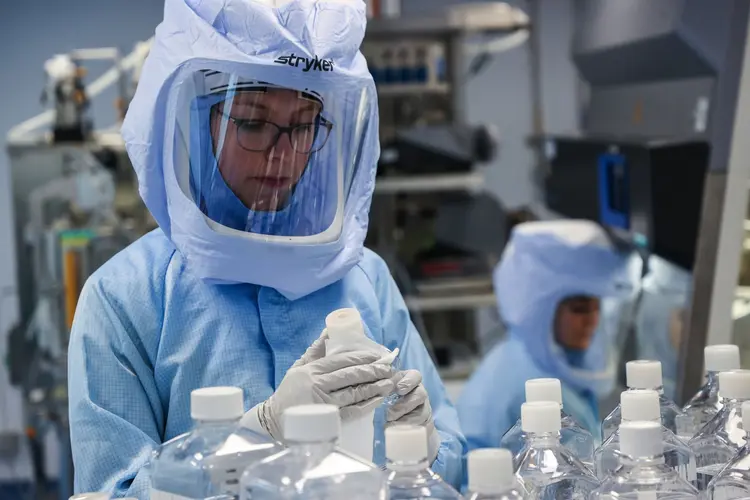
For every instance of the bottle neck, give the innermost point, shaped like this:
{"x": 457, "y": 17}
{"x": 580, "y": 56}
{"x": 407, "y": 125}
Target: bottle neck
{"x": 654, "y": 461}
{"x": 712, "y": 378}
{"x": 208, "y": 424}
{"x": 543, "y": 439}
{"x": 315, "y": 448}
{"x": 659, "y": 390}
{"x": 408, "y": 466}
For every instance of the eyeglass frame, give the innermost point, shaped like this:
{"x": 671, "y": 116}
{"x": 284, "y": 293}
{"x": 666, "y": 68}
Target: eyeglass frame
{"x": 321, "y": 121}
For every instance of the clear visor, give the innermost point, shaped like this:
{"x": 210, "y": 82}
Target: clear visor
{"x": 266, "y": 159}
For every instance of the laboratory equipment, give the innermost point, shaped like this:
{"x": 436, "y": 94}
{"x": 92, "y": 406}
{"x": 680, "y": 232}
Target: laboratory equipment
{"x": 409, "y": 474}
{"x": 660, "y": 158}
{"x": 706, "y": 403}
{"x": 733, "y": 482}
{"x": 643, "y": 473}
{"x": 429, "y": 171}
{"x": 67, "y": 92}
{"x": 723, "y": 436}
{"x": 643, "y": 406}
{"x": 545, "y": 467}
{"x": 573, "y": 436}
{"x": 643, "y": 374}
{"x": 313, "y": 466}
{"x": 346, "y": 333}
{"x": 75, "y": 204}
{"x": 491, "y": 476}
{"x": 208, "y": 461}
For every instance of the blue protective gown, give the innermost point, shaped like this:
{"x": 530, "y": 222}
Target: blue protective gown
{"x": 147, "y": 332}
{"x": 537, "y": 271}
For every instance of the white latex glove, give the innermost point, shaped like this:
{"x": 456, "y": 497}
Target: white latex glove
{"x": 353, "y": 381}
{"x": 413, "y": 407}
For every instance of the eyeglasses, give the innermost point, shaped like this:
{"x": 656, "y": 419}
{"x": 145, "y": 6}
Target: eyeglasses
{"x": 260, "y": 135}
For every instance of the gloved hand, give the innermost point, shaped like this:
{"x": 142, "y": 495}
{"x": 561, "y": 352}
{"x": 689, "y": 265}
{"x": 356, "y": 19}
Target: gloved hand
{"x": 353, "y": 381}
{"x": 413, "y": 407}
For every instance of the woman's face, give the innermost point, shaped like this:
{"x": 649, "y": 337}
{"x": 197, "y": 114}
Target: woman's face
{"x": 576, "y": 321}
{"x": 258, "y": 164}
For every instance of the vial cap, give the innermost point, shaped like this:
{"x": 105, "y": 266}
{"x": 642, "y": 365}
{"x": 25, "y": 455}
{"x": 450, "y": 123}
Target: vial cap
{"x": 91, "y": 496}
{"x": 543, "y": 389}
{"x": 640, "y": 404}
{"x": 406, "y": 443}
{"x": 641, "y": 439}
{"x": 734, "y": 384}
{"x": 312, "y": 423}
{"x": 540, "y": 417}
{"x": 217, "y": 403}
{"x": 490, "y": 471}
{"x": 643, "y": 374}
{"x": 345, "y": 323}
{"x": 721, "y": 358}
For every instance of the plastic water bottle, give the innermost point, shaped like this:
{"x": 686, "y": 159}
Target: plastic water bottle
{"x": 723, "y": 436}
{"x": 409, "y": 474}
{"x": 646, "y": 375}
{"x": 491, "y": 476}
{"x": 545, "y": 467}
{"x": 643, "y": 405}
{"x": 734, "y": 481}
{"x": 643, "y": 474}
{"x": 207, "y": 462}
{"x": 346, "y": 333}
{"x": 573, "y": 435}
{"x": 706, "y": 403}
{"x": 313, "y": 466}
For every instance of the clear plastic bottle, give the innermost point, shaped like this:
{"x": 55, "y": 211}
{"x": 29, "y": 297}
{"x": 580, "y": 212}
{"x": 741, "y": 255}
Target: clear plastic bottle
{"x": 491, "y": 476}
{"x": 207, "y": 462}
{"x": 545, "y": 467}
{"x": 706, "y": 403}
{"x": 573, "y": 435}
{"x": 644, "y": 374}
{"x": 733, "y": 482}
{"x": 643, "y": 475}
{"x": 409, "y": 474}
{"x": 643, "y": 405}
{"x": 723, "y": 436}
{"x": 313, "y": 466}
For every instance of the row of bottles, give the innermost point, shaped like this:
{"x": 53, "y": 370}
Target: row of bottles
{"x": 651, "y": 446}
{"x": 652, "y": 449}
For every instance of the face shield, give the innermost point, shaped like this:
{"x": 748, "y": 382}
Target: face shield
{"x": 265, "y": 160}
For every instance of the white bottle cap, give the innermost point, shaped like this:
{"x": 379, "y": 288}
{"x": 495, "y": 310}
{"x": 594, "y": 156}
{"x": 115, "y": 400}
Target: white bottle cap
{"x": 642, "y": 374}
{"x": 217, "y": 403}
{"x": 345, "y": 323}
{"x": 641, "y": 439}
{"x": 91, "y": 496}
{"x": 312, "y": 423}
{"x": 734, "y": 384}
{"x": 640, "y": 404}
{"x": 406, "y": 443}
{"x": 490, "y": 471}
{"x": 540, "y": 417}
{"x": 721, "y": 358}
{"x": 543, "y": 389}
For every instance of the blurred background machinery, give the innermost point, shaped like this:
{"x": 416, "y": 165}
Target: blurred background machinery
{"x": 431, "y": 220}
{"x": 75, "y": 205}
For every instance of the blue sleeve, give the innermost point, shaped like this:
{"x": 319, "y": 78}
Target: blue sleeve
{"x": 115, "y": 413}
{"x": 490, "y": 402}
{"x": 413, "y": 355}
